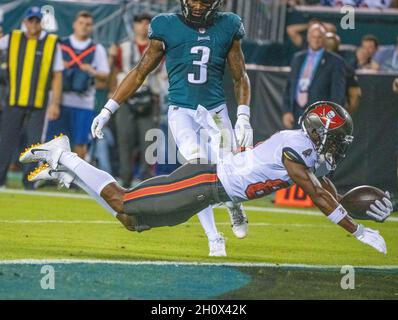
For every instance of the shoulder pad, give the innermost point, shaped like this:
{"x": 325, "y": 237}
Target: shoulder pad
{"x": 292, "y": 155}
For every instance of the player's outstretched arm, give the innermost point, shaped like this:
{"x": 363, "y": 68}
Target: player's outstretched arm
{"x": 136, "y": 77}
{"x": 129, "y": 85}
{"x": 329, "y": 186}
{"x": 236, "y": 63}
{"x": 327, "y": 203}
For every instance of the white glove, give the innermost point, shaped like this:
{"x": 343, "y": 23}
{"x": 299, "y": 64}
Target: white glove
{"x": 371, "y": 237}
{"x": 99, "y": 122}
{"x": 244, "y": 131}
{"x": 380, "y": 210}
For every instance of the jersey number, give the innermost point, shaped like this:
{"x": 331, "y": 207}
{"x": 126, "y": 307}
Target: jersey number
{"x": 262, "y": 189}
{"x": 202, "y": 64}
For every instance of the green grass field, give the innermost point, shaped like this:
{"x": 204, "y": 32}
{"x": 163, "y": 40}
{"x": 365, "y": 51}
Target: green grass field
{"x": 286, "y": 255}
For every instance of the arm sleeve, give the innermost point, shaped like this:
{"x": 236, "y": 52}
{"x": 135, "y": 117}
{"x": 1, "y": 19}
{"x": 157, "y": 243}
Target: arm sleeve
{"x": 101, "y": 60}
{"x": 157, "y": 29}
{"x": 351, "y": 77}
{"x": 4, "y": 42}
{"x": 239, "y": 28}
{"x": 58, "y": 64}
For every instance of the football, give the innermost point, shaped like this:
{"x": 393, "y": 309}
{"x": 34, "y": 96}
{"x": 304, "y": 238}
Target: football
{"x": 358, "y": 200}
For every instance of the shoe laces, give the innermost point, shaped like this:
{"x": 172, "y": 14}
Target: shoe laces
{"x": 237, "y": 215}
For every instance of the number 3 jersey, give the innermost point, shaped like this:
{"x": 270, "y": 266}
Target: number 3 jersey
{"x": 195, "y": 57}
{"x": 260, "y": 171}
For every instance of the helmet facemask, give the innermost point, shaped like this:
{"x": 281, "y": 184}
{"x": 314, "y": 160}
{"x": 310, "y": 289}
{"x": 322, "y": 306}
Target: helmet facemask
{"x": 334, "y": 149}
{"x": 206, "y": 18}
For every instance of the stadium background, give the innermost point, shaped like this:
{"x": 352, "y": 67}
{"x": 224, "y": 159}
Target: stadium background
{"x": 372, "y": 159}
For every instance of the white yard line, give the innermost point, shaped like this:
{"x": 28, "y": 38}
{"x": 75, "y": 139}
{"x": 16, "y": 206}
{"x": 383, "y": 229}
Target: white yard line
{"x": 249, "y": 208}
{"x": 253, "y": 224}
{"x": 177, "y": 263}
{"x": 44, "y": 193}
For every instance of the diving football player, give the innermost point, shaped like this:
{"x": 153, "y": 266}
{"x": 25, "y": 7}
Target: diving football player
{"x": 290, "y": 156}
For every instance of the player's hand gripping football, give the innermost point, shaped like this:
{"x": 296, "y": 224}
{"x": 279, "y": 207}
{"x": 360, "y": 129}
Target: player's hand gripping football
{"x": 381, "y": 210}
{"x": 371, "y": 237}
{"x": 244, "y": 131}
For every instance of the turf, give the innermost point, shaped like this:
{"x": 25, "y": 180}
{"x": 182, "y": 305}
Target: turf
{"x": 41, "y": 227}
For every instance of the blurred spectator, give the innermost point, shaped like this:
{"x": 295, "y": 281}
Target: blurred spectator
{"x": 30, "y": 77}
{"x": 141, "y": 112}
{"x": 370, "y": 43}
{"x": 315, "y": 75}
{"x": 386, "y": 59}
{"x": 297, "y": 32}
{"x": 353, "y": 90}
{"x": 363, "y": 59}
{"x": 395, "y": 85}
{"x": 84, "y": 62}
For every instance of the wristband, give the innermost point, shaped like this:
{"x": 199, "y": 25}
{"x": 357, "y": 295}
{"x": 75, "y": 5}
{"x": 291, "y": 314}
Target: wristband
{"x": 112, "y": 106}
{"x": 359, "y": 231}
{"x": 243, "y": 110}
{"x": 338, "y": 214}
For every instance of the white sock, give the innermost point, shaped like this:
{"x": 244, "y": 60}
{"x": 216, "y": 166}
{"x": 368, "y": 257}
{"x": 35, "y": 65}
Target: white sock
{"x": 206, "y": 218}
{"x": 93, "y": 178}
{"x": 97, "y": 198}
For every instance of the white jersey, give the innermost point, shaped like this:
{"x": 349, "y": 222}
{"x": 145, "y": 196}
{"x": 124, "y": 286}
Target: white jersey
{"x": 260, "y": 171}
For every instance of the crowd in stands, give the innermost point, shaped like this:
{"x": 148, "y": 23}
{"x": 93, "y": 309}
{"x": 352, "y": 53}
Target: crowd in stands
{"x": 370, "y": 55}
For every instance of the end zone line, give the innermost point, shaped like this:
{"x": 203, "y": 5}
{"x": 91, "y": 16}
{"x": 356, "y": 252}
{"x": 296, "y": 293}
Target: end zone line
{"x": 181, "y": 263}
{"x": 307, "y": 212}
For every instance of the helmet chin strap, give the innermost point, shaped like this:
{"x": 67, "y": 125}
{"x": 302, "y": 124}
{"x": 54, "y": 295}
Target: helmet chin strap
{"x": 326, "y": 158}
{"x": 325, "y": 131}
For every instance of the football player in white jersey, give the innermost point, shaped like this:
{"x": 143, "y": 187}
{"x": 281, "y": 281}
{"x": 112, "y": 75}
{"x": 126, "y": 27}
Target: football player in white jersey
{"x": 294, "y": 156}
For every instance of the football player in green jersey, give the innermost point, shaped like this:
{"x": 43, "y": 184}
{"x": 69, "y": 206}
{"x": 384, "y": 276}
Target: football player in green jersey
{"x": 196, "y": 46}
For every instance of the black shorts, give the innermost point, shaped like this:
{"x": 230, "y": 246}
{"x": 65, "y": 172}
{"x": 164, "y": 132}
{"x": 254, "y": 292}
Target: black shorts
{"x": 173, "y": 199}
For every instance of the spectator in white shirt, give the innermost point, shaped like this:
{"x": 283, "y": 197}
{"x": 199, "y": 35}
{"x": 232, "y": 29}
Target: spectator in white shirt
{"x": 85, "y": 61}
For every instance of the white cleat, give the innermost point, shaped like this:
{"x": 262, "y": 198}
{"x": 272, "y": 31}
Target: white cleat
{"x": 239, "y": 220}
{"x": 49, "y": 152}
{"x": 45, "y": 172}
{"x": 217, "y": 247}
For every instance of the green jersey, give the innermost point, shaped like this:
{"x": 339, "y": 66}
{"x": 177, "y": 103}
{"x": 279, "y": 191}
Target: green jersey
{"x": 195, "y": 57}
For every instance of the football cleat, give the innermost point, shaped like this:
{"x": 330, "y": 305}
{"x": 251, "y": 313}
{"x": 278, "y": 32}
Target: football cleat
{"x": 45, "y": 172}
{"x": 41, "y": 173}
{"x": 49, "y": 152}
{"x": 217, "y": 247}
{"x": 239, "y": 220}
